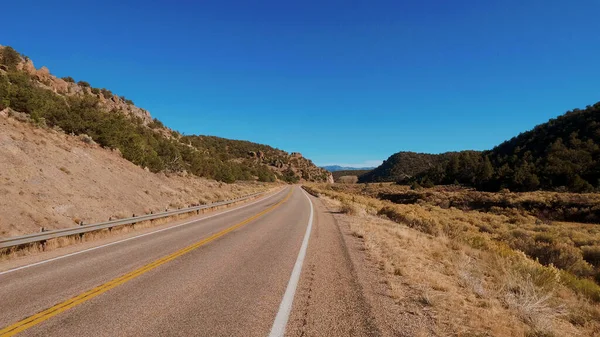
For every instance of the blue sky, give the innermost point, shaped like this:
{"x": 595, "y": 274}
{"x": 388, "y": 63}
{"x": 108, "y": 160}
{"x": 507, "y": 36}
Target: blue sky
{"x": 343, "y": 82}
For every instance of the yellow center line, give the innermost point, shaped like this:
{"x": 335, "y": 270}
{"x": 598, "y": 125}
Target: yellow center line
{"x": 42, "y": 316}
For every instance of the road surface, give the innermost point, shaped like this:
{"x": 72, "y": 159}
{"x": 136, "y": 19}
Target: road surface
{"x": 272, "y": 266}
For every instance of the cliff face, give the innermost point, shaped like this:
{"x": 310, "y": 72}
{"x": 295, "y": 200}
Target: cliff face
{"x": 108, "y": 101}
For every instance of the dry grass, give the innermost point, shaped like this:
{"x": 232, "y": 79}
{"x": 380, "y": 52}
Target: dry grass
{"x": 457, "y": 264}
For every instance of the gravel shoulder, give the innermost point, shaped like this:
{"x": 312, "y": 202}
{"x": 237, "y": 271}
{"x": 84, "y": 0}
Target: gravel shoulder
{"x": 342, "y": 292}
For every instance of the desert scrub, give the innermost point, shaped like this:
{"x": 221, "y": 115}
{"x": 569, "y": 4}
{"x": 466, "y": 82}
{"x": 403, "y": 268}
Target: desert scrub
{"x": 349, "y": 208}
{"x": 549, "y": 245}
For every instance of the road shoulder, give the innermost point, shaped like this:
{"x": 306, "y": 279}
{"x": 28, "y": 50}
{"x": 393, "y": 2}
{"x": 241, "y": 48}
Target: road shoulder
{"x": 344, "y": 292}
{"x": 330, "y": 299}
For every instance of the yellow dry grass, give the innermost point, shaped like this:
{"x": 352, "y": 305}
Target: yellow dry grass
{"x": 456, "y": 265}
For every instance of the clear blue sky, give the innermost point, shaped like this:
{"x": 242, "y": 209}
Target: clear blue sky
{"x": 344, "y": 82}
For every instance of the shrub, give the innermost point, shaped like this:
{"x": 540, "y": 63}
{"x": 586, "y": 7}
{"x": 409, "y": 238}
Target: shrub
{"x": 265, "y": 175}
{"x": 84, "y": 84}
{"x": 106, "y": 93}
{"x": 87, "y": 139}
{"x": 591, "y": 254}
{"x": 549, "y": 251}
{"x": 427, "y": 183}
{"x": 126, "y": 100}
{"x": 348, "y": 208}
{"x": 156, "y": 124}
{"x": 10, "y": 57}
{"x": 587, "y": 288}
{"x": 415, "y": 186}
{"x": 290, "y": 177}
{"x": 68, "y": 79}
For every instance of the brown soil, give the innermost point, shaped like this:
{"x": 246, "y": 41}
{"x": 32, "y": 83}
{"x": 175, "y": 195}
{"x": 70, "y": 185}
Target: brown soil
{"x": 53, "y": 180}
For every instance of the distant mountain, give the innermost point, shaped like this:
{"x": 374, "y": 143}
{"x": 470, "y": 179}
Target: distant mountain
{"x": 335, "y": 168}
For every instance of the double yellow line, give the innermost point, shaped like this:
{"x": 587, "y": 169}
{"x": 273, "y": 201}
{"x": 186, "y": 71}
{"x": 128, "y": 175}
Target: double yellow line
{"x": 42, "y": 316}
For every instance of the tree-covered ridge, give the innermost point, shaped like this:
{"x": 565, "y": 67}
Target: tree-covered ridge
{"x": 147, "y": 144}
{"x": 338, "y": 174}
{"x": 562, "y": 154}
{"x": 402, "y": 166}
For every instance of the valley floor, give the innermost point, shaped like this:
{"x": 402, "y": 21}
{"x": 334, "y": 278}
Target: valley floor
{"x": 445, "y": 276}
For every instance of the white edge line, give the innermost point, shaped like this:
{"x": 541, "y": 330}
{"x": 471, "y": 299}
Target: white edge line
{"x": 285, "y": 308}
{"x": 135, "y": 237}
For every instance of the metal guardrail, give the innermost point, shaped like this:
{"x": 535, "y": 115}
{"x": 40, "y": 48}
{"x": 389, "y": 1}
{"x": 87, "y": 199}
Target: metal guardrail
{"x": 47, "y": 235}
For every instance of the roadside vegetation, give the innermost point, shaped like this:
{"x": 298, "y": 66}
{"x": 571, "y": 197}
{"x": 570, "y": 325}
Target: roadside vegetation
{"x": 482, "y": 263}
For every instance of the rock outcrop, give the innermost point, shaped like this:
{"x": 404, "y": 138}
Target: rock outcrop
{"x": 213, "y": 157}
{"x": 62, "y": 87}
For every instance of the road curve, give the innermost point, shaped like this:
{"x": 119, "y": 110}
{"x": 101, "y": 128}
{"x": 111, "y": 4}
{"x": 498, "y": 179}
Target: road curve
{"x": 224, "y": 275}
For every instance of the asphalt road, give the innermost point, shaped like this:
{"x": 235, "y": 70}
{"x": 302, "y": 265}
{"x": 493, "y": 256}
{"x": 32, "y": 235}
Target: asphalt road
{"x": 223, "y": 275}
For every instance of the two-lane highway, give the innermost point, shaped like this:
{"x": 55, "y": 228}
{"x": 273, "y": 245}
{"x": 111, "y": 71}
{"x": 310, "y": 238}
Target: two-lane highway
{"x": 223, "y": 275}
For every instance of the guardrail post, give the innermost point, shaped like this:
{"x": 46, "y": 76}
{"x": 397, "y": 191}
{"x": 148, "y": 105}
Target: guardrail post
{"x": 43, "y": 245}
{"x": 112, "y": 223}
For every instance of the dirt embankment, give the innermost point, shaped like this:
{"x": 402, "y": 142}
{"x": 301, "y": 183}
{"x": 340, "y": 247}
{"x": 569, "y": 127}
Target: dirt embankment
{"x": 52, "y": 180}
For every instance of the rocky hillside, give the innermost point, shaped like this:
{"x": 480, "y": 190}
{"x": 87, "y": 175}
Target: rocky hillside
{"x": 114, "y": 122}
{"x": 54, "y": 180}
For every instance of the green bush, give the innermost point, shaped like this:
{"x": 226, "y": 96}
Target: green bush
{"x": 591, "y": 254}
{"x": 10, "y": 57}
{"x": 548, "y": 250}
{"x": 290, "y": 177}
{"x": 68, "y": 79}
{"x": 415, "y": 186}
{"x": 583, "y": 286}
{"x": 83, "y": 84}
{"x": 106, "y": 93}
{"x": 156, "y": 124}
